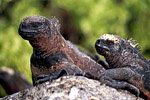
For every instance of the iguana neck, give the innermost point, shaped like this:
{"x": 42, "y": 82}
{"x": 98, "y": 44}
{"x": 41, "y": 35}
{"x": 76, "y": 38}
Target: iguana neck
{"x": 43, "y": 46}
{"x": 40, "y": 45}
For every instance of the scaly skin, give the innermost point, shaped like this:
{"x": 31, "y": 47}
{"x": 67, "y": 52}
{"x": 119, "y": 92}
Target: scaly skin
{"x": 51, "y": 52}
{"x": 126, "y": 64}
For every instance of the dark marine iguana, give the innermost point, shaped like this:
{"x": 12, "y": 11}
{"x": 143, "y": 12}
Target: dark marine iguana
{"x": 52, "y": 54}
{"x": 127, "y": 67}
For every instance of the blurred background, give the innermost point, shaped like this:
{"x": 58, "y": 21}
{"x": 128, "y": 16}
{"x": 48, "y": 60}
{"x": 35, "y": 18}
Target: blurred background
{"x": 82, "y": 22}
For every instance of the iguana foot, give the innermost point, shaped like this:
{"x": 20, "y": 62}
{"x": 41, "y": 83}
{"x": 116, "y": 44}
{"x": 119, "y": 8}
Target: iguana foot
{"x": 49, "y": 77}
{"x": 69, "y": 69}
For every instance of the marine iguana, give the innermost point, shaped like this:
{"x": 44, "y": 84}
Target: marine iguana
{"x": 52, "y": 55}
{"x": 127, "y": 67}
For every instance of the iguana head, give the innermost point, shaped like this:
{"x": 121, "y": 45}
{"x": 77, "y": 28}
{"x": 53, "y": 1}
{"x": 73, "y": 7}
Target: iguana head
{"x": 33, "y": 26}
{"x": 112, "y": 46}
{"x": 42, "y": 33}
{"x": 108, "y": 44}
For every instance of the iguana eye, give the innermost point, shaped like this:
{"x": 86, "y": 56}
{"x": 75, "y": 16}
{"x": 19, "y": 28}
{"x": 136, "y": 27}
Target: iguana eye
{"x": 116, "y": 41}
{"x": 98, "y": 41}
{"x": 110, "y": 42}
{"x": 36, "y": 25}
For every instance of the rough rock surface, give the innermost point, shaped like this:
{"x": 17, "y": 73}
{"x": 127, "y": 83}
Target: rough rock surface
{"x": 71, "y": 88}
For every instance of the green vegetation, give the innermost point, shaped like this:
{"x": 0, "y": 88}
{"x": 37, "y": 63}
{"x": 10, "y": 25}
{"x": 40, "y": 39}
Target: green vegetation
{"x": 92, "y": 18}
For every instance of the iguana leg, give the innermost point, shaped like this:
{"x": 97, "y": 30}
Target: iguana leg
{"x": 68, "y": 69}
{"x": 100, "y": 61}
{"x": 119, "y": 84}
{"x": 116, "y": 78}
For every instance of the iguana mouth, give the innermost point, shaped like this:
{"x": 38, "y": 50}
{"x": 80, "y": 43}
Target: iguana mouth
{"x": 103, "y": 50}
{"x": 26, "y": 33}
{"x": 98, "y": 45}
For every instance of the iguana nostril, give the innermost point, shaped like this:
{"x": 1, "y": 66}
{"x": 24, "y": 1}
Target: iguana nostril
{"x": 97, "y": 42}
{"x": 22, "y": 26}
